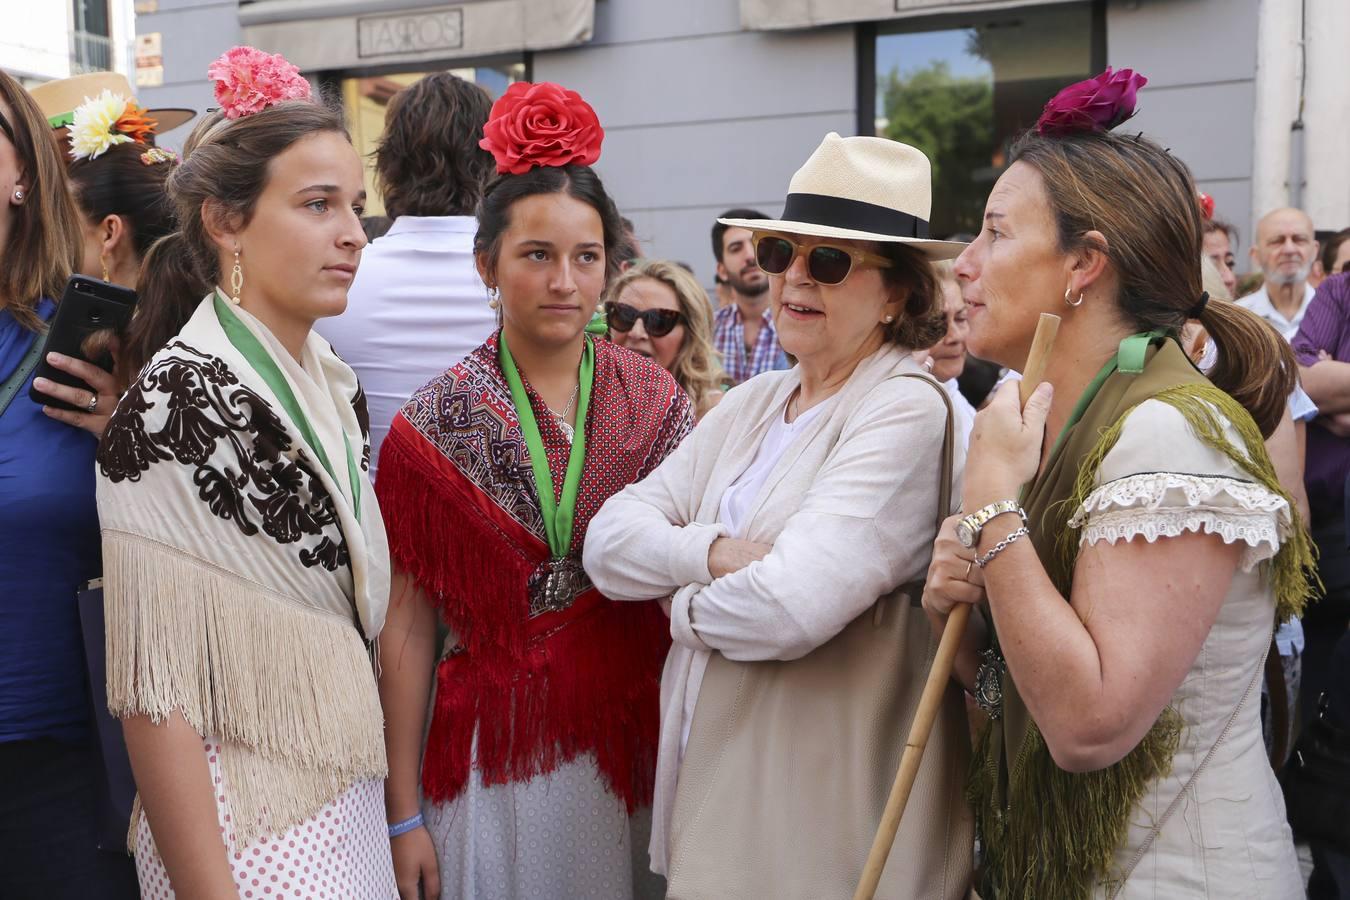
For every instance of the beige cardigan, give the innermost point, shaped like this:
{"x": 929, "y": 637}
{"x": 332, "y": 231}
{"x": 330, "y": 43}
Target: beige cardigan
{"x": 849, "y": 510}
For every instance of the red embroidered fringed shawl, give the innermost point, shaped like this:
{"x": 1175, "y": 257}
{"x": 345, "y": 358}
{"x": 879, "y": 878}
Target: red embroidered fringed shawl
{"x": 463, "y": 518}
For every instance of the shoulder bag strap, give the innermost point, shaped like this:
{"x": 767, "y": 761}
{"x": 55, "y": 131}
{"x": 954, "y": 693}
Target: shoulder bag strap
{"x": 20, "y": 375}
{"x": 948, "y": 447}
{"x": 944, "y": 507}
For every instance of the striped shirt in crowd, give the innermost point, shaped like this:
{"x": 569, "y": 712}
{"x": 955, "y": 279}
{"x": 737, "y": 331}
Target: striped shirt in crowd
{"x": 742, "y": 363}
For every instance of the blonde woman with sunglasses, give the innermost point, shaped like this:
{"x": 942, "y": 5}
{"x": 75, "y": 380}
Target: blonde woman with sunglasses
{"x": 657, "y": 309}
{"x": 789, "y": 533}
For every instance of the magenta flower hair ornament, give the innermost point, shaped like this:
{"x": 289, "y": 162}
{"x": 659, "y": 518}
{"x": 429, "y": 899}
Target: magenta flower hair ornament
{"x": 1098, "y": 104}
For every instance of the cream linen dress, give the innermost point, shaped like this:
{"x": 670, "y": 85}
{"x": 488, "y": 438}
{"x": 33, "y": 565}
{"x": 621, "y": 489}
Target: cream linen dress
{"x": 1215, "y": 826}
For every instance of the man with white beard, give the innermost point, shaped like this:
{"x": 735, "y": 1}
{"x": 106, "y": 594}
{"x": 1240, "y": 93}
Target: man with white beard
{"x": 1284, "y": 250}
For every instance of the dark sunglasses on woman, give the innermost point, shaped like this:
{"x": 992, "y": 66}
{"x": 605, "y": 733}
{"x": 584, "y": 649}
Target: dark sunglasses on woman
{"x": 657, "y": 322}
{"x": 825, "y": 263}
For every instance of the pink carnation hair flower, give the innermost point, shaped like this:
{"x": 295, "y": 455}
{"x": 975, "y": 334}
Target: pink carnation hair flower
{"x": 249, "y": 80}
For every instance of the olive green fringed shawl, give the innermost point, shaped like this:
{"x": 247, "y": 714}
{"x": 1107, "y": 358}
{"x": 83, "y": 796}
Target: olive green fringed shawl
{"x": 1048, "y": 834}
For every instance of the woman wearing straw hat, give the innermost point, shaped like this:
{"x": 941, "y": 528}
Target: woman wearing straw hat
{"x": 789, "y": 532}
{"x": 117, "y": 173}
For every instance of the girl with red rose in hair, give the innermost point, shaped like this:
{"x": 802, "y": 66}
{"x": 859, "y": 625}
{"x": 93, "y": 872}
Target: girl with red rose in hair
{"x": 1127, "y": 539}
{"x": 534, "y": 778}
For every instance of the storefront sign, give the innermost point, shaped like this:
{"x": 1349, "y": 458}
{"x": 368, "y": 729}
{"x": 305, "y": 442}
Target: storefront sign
{"x": 441, "y": 29}
{"x": 149, "y": 59}
{"x": 770, "y": 14}
{"x": 381, "y": 33}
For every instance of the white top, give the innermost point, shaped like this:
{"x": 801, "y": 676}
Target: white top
{"x": 417, "y": 307}
{"x": 1228, "y": 836}
{"x": 963, "y": 414}
{"x": 736, "y": 504}
{"x": 1259, "y": 303}
{"x": 849, "y": 510}
{"x": 743, "y": 491}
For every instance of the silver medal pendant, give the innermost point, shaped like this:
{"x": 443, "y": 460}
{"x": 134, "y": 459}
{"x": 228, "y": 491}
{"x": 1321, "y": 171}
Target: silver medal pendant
{"x": 554, "y": 585}
{"x": 989, "y": 682}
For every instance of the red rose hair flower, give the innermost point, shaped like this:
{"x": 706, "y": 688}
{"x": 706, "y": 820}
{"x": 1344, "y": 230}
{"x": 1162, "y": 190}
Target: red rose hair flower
{"x": 249, "y": 80}
{"x": 1098, "y": 104}
{"x": 541, "y": 124}
{"x": 1206, "y": 205}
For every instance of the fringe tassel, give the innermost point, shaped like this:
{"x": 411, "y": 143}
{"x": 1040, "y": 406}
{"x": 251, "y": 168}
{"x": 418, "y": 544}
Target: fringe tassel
{"x": 591, "y": 687}
{"x": 1091, "y": 810}
{"x": 288, "y": 690}
{"x": 1293, "y": 570}
{"x": 469, "y": 566}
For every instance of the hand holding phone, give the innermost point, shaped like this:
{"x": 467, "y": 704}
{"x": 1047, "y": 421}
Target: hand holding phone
{"x": 72, "y": 380}
{"x": 97, "y": 401}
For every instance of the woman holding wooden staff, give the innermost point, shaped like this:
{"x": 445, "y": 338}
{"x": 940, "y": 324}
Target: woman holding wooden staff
{"x": 793, "y": 528}
{"x": 1127, "y": 538}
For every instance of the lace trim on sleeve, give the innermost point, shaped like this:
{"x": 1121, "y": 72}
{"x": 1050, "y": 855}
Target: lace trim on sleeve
{"x": 1168, "y": 504}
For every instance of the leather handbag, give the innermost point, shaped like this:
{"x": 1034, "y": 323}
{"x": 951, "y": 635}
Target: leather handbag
{"x": 117, "y": 789}
{"x": 1316, "y": 781}
{"x": 789, "y": 763}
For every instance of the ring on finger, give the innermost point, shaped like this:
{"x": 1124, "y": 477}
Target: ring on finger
{"x": 93, "y": 402}
{"x": 969, "y": 566}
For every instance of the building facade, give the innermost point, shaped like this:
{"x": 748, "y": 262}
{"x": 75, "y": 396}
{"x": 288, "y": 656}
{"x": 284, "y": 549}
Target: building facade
{"x": 57, "y": 38}
{"x": 709, "y": 104}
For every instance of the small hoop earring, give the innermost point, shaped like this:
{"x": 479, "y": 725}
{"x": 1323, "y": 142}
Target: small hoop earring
{"x": 494, "y": 298}
{"x": 236, "y": 279}
{"x": 1073, "y": 303}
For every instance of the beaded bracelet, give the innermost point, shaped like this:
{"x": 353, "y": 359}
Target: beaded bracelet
{"x": 405, "y": 826}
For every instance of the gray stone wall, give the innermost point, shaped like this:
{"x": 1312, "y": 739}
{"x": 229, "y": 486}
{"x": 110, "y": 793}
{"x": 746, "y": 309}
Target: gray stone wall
{"x": 194, "y": 33}
{"x": 701, "y": 116}
{"x": 1200, "y": 59}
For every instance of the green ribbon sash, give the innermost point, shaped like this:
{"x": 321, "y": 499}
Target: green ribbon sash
{"x": 256, "y": 355}
{"x": 559, "y": 515}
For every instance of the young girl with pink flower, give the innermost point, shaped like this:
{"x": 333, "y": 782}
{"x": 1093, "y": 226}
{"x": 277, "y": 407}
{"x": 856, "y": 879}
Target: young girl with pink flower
{"x": 245, "y": 564}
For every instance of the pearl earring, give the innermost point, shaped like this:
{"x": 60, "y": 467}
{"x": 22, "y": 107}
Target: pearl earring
{"x": 494, "y": 298}
{"x": 889, "y": 319}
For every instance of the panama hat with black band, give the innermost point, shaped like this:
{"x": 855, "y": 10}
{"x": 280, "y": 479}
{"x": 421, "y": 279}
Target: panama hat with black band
{"x": 861, "y": 189}
{"x": 59, "y": 99}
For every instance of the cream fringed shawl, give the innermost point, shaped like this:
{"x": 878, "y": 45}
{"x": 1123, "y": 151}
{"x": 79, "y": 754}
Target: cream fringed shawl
{"x": 245, "y": 564}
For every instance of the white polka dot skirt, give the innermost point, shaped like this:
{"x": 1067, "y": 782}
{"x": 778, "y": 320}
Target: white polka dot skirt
{"x": 342, "y": 852}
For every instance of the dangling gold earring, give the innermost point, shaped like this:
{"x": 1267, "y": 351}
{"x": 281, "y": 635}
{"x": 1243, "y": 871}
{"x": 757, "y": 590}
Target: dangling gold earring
{"x": 494, "y": 298}
{"x": 1074, "y": 303}
{"x": 236, "y": 279}
{"x": 103, "y": 259}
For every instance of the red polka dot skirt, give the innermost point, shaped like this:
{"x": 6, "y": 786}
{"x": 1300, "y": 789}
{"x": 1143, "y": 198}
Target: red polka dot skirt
{"x": 342, "y": 852}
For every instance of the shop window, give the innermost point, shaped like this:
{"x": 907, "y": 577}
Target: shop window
{"x": 962, "y": 88}
{"x": 365, "y": 100}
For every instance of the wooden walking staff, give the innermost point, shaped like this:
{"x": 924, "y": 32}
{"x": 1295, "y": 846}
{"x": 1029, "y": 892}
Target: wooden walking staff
{"x": 941, "y": 672}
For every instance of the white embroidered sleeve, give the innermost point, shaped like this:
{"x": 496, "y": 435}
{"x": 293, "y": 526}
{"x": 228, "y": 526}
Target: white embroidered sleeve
{"x": 1160, "y": 480}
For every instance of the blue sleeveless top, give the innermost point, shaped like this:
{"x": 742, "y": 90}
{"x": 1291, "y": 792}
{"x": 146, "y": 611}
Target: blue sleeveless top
{"x": 49, "y": 545}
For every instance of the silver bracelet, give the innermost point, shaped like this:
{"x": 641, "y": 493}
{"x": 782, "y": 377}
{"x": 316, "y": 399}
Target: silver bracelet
{"x": 1002, "y": 545}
